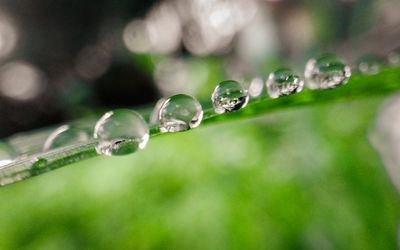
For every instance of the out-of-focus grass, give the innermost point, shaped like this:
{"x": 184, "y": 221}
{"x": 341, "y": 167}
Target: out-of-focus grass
{"x": 305, "y": 178}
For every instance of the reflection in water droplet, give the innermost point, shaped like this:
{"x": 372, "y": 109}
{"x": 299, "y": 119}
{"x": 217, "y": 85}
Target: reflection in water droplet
{"x": 6, "y": 154}
{"x": 283, "y": 82}
{"x": 120, "y": 132}
{"x": 394, "y": 57}
{"x": 64, "y": 136}
{"x": 370, "y": 64}
{"x": 228, "y": 96}
{"x": 327, "y": 71}
{"x": 256, "y": 87}
{"x": 180, "y": 112}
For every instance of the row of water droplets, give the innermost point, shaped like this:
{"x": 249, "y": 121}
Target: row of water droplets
{"x": 123, "y": 131}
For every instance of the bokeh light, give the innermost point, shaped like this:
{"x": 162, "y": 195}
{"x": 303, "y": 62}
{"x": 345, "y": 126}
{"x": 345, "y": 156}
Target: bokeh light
{"x": 93, "y": 61}
{"x": 21, "y": 81}
{"x": 8, "y": 35}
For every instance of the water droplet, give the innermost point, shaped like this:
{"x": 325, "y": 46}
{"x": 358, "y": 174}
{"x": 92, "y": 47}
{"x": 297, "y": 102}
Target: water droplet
{"x": 156, "y": 111}
{"x": 394, "y": 57}
{"x": 7, "y": 154}
{"x": 283, "y": 82}
{"x": 64, "y": 136}
{"x": 327, "y": 71}
{"x": 229, "y": 96}
{"x": 39, "y": 162}
{"x": 179, "y": 113}
{"x": 38, "y": 165}
{"x": 256, "y": 87}
{"x": 120, "y": 132}
{"x": 370, "y": 64}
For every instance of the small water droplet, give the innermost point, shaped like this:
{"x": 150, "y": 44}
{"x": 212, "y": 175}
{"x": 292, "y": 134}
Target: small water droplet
{"x": 283, "y": 82}
{"x": 120, "y": 132}
{"x": 179, "y": 113}
{"x": 327, "y": 71}
{"x": 256, "y": 87}
{"x": 64, "y": 136}
{"x": 39, "y": 162}
{"x": 229, "y": 96}
{"x": 394, "y": 57}
{"x": 370, "y": 64}
{"x": 38, "y": 165}
{"x": 7, "y": 154}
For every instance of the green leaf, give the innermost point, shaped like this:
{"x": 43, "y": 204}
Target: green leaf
{"x": 35, "y": 162}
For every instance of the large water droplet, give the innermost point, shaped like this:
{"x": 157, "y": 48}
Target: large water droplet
{"x": 7, "y": 153}
{"x": 327, "y": 71}
{"x": 179, "y": 113}
{"x": 370, "y": 64}
{"x": 64, "y": 136}
{"x": 229, "y": 96}
{"x": 394, "y": 57}
{"x": 283, "y": 82}
{"x": 120, "y": 132}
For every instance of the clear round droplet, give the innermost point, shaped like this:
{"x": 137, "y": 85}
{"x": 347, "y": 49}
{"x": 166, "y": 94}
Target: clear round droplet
{"x": 64, "y": 136}
{"x": 121, "y": 132}
{"x": 327, "y": 71}
{"x": 370, "y": 64}
{"x": 229, "y": 96}
{"x": 393, "y": 57}
{"x": 7, "y": 154}
{"x": 179, "y": 113}
{"x": 283, "y": 82}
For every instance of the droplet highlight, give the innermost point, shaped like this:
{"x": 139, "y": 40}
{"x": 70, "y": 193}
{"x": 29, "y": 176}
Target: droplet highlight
{"x": 327, "y": 71}
{"x": 64, "y": 136}
{"x": 283, "y": 82}
{"x": 121, "y": 132}
{"x": 229, "y": 96}
{"x": 179, "y": 113}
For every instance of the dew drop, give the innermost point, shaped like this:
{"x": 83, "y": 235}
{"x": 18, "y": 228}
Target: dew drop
{"x": 283, "y": 82}
{"x": 327, "y": 71}
{"x": 7, "y": 154}
{"x": 256, "y": 87}
{"x": 64, "y": 136}
{"x": 394, "y": 57}
{"x": 156, "y": 111}
{"x": 38, "y": 165}
{"x": 179, "y": 113}
{"x": 229, "y": 96}
{"x": 370, "y": 64}
{"x": 121, "y": 132}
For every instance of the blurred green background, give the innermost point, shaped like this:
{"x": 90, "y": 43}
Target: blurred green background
{"x": 302, "y": 178}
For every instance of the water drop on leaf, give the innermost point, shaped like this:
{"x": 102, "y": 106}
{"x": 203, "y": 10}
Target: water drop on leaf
{"x": 179, "y": 113}
{"x": 64, "y": 136}
{"x": 283, "y": 82}
{"x": 229, "y": 96}
{"x": 121, "y": 132}
{"x": 327, "y": 71}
